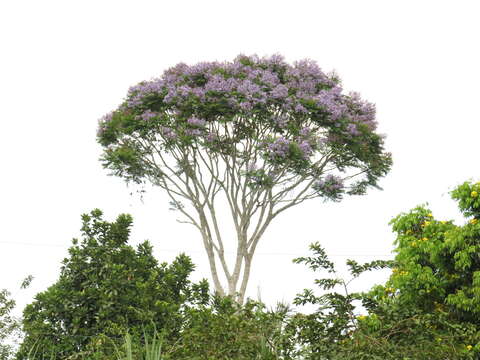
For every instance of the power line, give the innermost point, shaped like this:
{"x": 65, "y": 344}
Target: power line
{"x": 201, "y": 251}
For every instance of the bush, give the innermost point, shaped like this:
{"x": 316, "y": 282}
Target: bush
{"x": 223, "y": 329}
{"x": 106, "y": 288}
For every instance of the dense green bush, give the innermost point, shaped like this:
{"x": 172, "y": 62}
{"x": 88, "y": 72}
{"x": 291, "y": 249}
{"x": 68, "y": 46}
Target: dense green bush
{"x": 106, "y": 288}
{"x": 223, "y": 329}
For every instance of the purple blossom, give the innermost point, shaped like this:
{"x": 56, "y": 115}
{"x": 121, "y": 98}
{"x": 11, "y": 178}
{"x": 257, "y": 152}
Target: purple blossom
{"x": 250, "y": 82}
{"x": 193, "y": 132}
{"x": 199, "y": 92}
{"x": 306, "y": 149}
{"x": 105, "y": 119}
{"x": 352, "y": 130}
{"x": 273, "y": 60}
{"x": 172, "y": 93}
{"x": 210, "y": 137}
{"x": 184, "y": 90}
{"x": 245, "y": 105}
{"x": 193, "y": 121}
{"x": 280, "y": 147}
{"x": 300, "y": 108}
{"x": 305, "y": 131}
{"x": 269, "y": 78}
{"x": 331, "y": 101}
{"x": 248, "y": 88}
{"x": 279, "y": 92}
{"x": 168, "y": 133}
{"x": 220, "y": 84}
{"x": 200, "y": 68}
{"x": 332, "y": 186}
{"x": 309, "y": 68}
{"x": 103, "y": 122}
{"x": 362, "y": 111}
{"x": 147, "y": 115}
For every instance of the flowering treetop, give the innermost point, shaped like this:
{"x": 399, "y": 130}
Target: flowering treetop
{"x": 286, "y": 118}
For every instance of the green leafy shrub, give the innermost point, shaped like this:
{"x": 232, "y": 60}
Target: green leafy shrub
{"x": 428, "y": 309}
{"x": 223, "y": 329}
{"x": 106, "y": 288}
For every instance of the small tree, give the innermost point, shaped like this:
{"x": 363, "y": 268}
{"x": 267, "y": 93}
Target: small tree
{"x": 428, "y": 309}
{"x": 106, "y": 288}
{"x": 327, "y": 332}
{"x": 259, "y": 135}
{"x": 434, "y": 289}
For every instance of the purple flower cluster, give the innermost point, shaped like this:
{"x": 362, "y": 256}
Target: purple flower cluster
{"x": 139, "y": 91}
{"x": 210, "y": 137}
{"x": 278, "y": 148}
{"x": 331, "y": 101}
{"x": 279, "y": 92}
{"x": 353, "y": 130}
{"x": 103, "y": 122}
{"x": 361, "y": 111}
{"x": 147, "y": 115}
{"x": 305, "y": 148}
{"x": 168, "y": 133}
{"x": 331, "y": 186}
{"x": 250, "y": 81}
{"x": 193, "y": 121}
{"x": 297, "y": 95}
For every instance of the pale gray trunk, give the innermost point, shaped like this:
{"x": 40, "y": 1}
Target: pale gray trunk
{"x": 196, "y": 176}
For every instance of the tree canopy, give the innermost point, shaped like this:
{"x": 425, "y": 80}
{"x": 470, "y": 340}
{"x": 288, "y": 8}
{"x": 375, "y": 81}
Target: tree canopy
{"x": 256, "y": 134}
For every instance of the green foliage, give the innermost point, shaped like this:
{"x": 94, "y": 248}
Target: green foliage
{"x": 9, "y": 325}
{"x": 434, "y": 288}
{"x": 150, "y": 349}
{"x": 107, "y": 287}
{"x": 218, "y": 330}
{"x": 428, "y": 309}
{"x": 327, "y": 332}
{"x": 223, "y": 329}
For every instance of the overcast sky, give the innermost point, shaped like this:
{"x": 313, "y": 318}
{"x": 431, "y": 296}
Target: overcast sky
{"x": 64, "y": 64}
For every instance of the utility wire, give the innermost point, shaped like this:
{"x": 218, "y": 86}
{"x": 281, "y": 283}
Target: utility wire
{"x": 200, "y": 251}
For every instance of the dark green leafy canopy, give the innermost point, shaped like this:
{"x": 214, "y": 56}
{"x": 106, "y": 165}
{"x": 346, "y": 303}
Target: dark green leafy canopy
{"x": 107, "y": 287}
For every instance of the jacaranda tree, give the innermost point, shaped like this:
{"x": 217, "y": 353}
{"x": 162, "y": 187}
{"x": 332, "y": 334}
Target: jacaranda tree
{"x": 256, "y": 134}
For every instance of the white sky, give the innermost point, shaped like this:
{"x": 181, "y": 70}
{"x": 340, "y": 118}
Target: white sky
{"x": 64, "y": 64}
